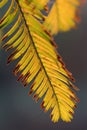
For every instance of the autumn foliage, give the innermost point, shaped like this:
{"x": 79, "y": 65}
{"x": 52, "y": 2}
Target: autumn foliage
{"x": 34, "y": 22}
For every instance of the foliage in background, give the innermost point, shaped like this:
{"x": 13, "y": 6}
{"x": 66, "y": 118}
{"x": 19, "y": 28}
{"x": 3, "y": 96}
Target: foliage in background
{"x": 31, "y": 25}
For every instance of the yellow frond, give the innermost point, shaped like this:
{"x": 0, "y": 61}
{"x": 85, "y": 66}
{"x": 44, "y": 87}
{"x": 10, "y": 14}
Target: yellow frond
{"x": 62, "y": 16}
{"x": 2, "y": 3}
{"x": 38, "y": 60}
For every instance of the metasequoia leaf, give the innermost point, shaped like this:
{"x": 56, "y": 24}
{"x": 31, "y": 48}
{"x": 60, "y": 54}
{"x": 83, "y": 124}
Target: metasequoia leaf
{"x": 38, "y": 61}
{"x": 62, "y": 16}
{"x": 2, "y": 3}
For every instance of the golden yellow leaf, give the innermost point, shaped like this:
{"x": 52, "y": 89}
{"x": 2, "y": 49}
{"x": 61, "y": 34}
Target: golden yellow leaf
{"x": 62, "y": 16}
{"x": 38, "y": 60}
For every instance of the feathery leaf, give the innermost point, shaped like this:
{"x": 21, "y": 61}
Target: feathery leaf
{"x": 39, "y": 62}
{"x": 62, "y": 16}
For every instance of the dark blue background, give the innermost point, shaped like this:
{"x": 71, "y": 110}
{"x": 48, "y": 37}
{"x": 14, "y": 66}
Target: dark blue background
{"x": 20, "y": 112}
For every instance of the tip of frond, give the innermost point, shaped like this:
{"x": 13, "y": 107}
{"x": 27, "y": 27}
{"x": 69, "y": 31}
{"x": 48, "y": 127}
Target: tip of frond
{"x": 70, "y": 76}
{"x": 74, "y": 87}
{"x": 78, "y": 100}
{"x": 46, "y": 8}
{"x": 21, "y": 76}
{"x": 42, "y": 105}
{"x": 16, "y": 70}
{"x": 25, "y": 78}
{"x": 75, "y": 106}
{"x": 60, "y": 59}
{"x": 2, "y": 20}
{"x": 8, "y": 61}
{"x": 77, "y": 18}
{"x": 25, "y": 84}
{"x": 11, "y": 56}
{"x": 54, "y": 44}
{"x": 30, "y": 92}
{"x": 35, "y": 97}
{"x": 32, "y": 85}
{"x": 71, "y": 113}
{"x": 4, "y": 37}
{"x": 7, "y": 49}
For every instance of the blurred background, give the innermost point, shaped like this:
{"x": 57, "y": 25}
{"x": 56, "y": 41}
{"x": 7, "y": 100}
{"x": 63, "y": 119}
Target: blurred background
{"x": 18, "y": 111}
